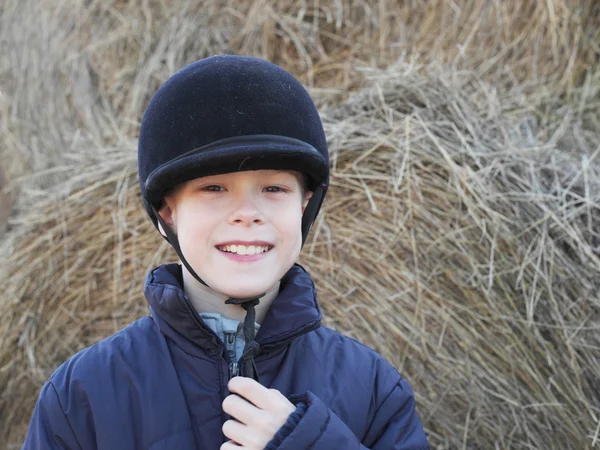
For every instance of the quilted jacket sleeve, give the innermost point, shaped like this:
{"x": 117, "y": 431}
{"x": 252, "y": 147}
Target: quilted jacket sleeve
{"x": 395, "y": 426}
{"x": 49, "y": 428}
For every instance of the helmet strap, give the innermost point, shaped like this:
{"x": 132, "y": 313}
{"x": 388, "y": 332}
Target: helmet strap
{"x": 252, "y": 348}
{"x": 171, "y": 238}
{"x": 313, "y": 206}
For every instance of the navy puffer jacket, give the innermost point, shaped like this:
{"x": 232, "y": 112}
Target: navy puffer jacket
{"x": 159, "y": 383}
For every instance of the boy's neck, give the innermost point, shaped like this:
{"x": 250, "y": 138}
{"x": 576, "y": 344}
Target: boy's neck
{"x": 205, "y": 299}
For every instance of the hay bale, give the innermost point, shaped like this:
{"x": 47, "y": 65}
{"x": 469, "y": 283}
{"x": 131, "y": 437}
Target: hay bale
{"x": 456, "y": 240}
{"x": 77, "y": 70}
{"x": 462, "y": 242}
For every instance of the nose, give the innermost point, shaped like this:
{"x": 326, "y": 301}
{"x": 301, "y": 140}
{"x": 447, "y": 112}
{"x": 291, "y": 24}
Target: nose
{"x": 246, "y": 212}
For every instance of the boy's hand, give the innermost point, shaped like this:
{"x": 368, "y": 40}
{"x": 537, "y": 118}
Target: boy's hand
{"x": 259, "y": 414}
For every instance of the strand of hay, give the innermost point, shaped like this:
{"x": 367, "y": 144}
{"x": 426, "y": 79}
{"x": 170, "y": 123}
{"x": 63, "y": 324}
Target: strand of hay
{"x": 6, "y": 202}
{"x": 456, "y": 240}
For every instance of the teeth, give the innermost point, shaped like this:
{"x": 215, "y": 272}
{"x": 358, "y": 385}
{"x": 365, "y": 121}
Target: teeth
{"x": 243, "y": 250}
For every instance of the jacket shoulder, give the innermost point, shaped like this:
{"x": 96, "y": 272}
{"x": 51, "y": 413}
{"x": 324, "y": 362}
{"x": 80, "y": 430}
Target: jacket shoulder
{"x": 330, "y": 352}
{"x": 106, "y": 390}
{"x": 124, "y": 347}
{"x": 352, "y": 351}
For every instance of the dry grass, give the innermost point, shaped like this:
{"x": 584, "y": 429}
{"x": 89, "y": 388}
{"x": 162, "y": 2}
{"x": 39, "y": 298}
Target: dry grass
{"x": 460, "y": 236}
{"x": 6, "y": 202}
{"x": 84, "y": 70}
{"x": 465, "y": 247}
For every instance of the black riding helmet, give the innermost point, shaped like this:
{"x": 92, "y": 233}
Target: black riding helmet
{"x": 225, "y": 114}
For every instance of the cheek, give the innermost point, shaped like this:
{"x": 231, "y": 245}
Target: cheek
{"x": 195, "y": 225}
{"x": 290, "y": 224}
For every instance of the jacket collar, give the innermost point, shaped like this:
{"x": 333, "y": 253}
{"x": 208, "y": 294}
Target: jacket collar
{"x": 294, "y": 311}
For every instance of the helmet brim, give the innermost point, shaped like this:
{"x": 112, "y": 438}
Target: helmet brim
{"x": 240, "y": 153}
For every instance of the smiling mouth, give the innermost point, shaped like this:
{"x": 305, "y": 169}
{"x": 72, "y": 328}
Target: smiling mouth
{"x": 245, "y": 250}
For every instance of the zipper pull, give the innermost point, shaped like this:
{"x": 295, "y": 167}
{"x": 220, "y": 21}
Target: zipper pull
{"x": 230, "y": 336}
{"x": 233, "y": 369}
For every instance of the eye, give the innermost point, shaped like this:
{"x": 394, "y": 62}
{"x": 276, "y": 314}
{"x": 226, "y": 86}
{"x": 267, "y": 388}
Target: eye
{"x": 213, "y": 188}
{"x": 274, "y": 189}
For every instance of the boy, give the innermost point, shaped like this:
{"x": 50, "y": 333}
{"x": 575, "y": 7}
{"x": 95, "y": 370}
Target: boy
{"x": 233, "y": 167}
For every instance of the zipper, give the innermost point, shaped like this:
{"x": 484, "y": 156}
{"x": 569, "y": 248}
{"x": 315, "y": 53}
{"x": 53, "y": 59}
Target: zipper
{"x": 230, "y": 338}
{"x": 233, "y": 365}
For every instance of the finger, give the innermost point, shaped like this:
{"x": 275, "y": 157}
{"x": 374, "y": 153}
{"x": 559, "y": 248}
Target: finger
{"x": 236, "y": 431}
{"x": 230, "y": 445}
{"x": 241, "y": 409}
{"x": 252, "y": 391}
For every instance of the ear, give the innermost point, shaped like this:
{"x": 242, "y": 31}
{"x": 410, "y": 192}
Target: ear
{"x": 307, "y": 196}
{"x": 166, "y": 213}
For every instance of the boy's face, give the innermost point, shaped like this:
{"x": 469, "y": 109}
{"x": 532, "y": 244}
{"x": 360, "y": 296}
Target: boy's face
{"x": 218, "y": 218}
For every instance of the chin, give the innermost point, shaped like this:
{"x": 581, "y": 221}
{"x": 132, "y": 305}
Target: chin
{"x": 245, "y": 291}
{"x": 241, "y": 286}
